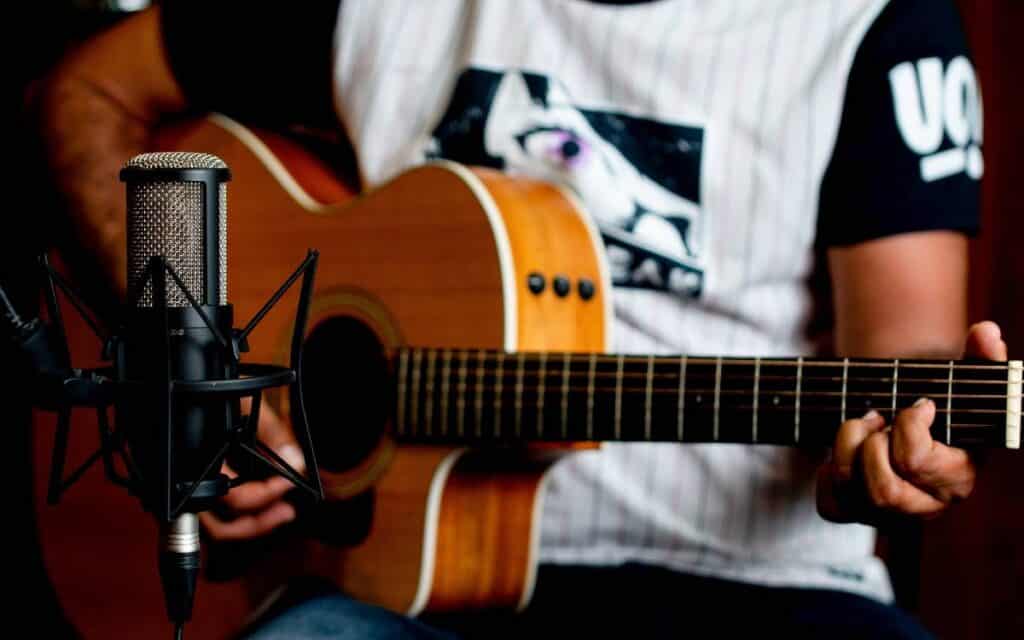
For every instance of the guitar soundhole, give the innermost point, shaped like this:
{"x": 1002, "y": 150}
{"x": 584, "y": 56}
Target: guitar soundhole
{"x": 346, "y": 387}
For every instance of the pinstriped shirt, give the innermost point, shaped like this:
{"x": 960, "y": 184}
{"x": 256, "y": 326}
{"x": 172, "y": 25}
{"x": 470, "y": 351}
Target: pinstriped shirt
{"x": 701, "y": 136}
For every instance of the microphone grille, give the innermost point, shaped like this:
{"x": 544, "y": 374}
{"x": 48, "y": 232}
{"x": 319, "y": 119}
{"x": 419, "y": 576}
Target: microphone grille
{"x": 166, "y": 217}
{"x": 175, "y": 160}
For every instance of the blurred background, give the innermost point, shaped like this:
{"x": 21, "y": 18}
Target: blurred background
{"x": 962, "y": 574}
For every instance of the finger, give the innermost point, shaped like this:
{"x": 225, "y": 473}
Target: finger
{"x": 274, "y": 432}
{"x": 946, "y": 473}
{"x": 889, "y": 492}
{"x": 257, "y": 495}
{"x": 837, "y": 499}
{"x": 249, "y": 526}
{"x": 911, "y": 437}
{"x": 849, "y": 439}
{"x": 985, "y": 341}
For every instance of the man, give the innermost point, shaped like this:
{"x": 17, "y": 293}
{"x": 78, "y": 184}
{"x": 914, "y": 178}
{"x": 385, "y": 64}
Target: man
{"x": 722, "y": 147}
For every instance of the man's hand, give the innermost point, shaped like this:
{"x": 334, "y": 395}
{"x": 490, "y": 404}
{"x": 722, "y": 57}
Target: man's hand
{"x": 876, "y": 472}
{"x": 259, "y": 507}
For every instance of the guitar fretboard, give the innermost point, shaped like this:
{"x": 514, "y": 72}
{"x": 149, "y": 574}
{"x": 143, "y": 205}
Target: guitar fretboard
{"x": 479, "y": 396}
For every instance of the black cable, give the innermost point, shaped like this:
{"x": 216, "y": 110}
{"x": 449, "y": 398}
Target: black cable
{"x": 179, "y": 630}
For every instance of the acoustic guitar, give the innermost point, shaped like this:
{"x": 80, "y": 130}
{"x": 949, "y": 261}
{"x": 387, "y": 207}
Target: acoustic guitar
{"x": 457, "y": 347}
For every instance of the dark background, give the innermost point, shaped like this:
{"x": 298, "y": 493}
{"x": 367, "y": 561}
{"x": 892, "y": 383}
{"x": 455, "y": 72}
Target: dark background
{"x": 970, "y": 570}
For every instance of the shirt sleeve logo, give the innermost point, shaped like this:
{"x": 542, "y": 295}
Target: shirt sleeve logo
{"x": 638, "y": 177}
{"x": 933, "y": 105}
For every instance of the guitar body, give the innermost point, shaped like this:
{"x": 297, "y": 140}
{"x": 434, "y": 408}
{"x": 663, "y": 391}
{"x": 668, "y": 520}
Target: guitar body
{"x": 440, "y": 256}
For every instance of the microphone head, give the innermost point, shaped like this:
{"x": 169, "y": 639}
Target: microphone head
{"x": 177, "y": 208}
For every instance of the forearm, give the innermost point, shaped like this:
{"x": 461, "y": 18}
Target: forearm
{"x": 87, "y": 136}
{"x": 98, "y": 108}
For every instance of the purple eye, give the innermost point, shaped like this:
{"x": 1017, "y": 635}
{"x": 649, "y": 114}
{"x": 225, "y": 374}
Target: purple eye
{"x": 561, "y": 147}
{"x": 567, "y": 148}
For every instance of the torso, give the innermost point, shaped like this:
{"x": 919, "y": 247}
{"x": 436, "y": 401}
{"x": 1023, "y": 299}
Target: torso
{"x": 697, "y": 133}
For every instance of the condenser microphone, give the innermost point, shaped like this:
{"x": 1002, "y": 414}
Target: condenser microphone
{"x": 175, "y": 378}
{"x": 177, "y": 274}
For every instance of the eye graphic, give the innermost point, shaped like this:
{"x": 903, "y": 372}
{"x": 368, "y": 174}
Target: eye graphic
{"x": 560, "y": 147}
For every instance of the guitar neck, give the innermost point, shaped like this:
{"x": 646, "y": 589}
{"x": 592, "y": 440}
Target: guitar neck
{"x": 479, "y": 396}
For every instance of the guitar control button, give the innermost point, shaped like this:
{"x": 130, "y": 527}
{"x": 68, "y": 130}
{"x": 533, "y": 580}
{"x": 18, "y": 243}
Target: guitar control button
{"x": 562, "y": 286}
{"x": 535, "y": 282}
{"x": 586, "y": 289}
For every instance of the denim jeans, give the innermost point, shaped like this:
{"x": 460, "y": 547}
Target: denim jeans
{"x": 632, "y": 601}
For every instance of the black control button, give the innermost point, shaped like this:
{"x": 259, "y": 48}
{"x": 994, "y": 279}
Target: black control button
{"x": 562, "y": 286}
{"x": 535, "y": 282}
{"x": 586, "y": 289}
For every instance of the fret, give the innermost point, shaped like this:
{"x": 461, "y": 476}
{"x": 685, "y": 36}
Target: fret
{"x": 735, "y": 379}
{"x": 867, "y": 385}
{"x": 776, "y": 401}
{"x": 649, "y": 390}
{"x": 478, "y": 402}
{"x": 757, "y": 384}
{"x": 846, "y": 371}
{"x": 542, "y": 374}
{"x": 446, "y": 371}
{"x": 979, "y": 415}
{"x": 518, "y": 402}
{"x": 681, "y": 400}
{"x": 566, "y": 369}
{"x": 796, "y": 401}
{"x": 949, "y": 406}
{"x": 403, "y": 370}
{"x": 662, "y": 424}
{"x": 590, "y": 396}
{"x": 618, "y": 397}
{"x": 699, "y": 405}
{"x": 428, "y": 388}
{"x": 821, "y": 400}
{"x": 417, "y": 360}
{"x": 460, "y": 387}
{"x": 499, "y": 378}
{"x": 718, "y": 395}
{"x": 895, "y": 382}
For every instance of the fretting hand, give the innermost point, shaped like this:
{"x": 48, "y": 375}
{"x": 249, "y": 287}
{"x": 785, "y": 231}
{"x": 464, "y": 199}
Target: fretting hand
{"x": 877, "y": 470}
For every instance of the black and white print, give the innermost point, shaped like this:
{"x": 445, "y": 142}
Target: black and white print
{"x": 639, "y": 178}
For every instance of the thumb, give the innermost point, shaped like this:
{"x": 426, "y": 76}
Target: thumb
{"x": 985, "y": 341}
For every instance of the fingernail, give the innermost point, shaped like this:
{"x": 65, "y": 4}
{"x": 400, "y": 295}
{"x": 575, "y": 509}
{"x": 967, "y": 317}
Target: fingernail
{"x": 871, "y": 416}
{"x": 293, "y": 456}
{"x": 921, "y": 402}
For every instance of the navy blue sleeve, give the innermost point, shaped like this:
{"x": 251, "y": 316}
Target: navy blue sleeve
{"x": 261, "y": 62}
{"x": 908, "y": 152}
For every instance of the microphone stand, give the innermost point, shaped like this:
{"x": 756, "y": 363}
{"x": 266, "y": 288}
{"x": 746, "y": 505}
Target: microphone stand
{"x": 174, "y": 501}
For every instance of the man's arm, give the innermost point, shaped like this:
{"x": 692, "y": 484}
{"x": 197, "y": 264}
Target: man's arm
{"x": 98, "y": 108}
{"x": 901, "y": 296}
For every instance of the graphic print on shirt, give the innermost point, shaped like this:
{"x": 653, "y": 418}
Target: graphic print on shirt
{"x": 932, "y": 104}
{"x": 639, "y": 178}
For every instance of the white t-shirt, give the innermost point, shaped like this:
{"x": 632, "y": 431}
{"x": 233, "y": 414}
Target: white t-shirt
{"x": 704, "y": 137}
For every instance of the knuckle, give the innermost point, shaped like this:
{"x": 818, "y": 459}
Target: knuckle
{"x": 962, "y": 490}
{"x": 912, "y": 462}
{"x": 886, "y": 494}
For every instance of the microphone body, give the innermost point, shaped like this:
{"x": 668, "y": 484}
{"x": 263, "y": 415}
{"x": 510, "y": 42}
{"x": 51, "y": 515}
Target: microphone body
{"x": 176, "y": 214}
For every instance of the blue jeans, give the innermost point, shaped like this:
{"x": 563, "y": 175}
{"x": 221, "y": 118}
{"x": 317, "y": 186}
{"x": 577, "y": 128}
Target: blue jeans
{"x": 632, "y": 601}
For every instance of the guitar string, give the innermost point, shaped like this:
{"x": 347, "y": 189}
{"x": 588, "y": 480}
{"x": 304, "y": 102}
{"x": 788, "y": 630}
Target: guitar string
{"x": 941, "y": 390}
{"x": 605, "y": 358}
{"x": 730, "y": 377}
